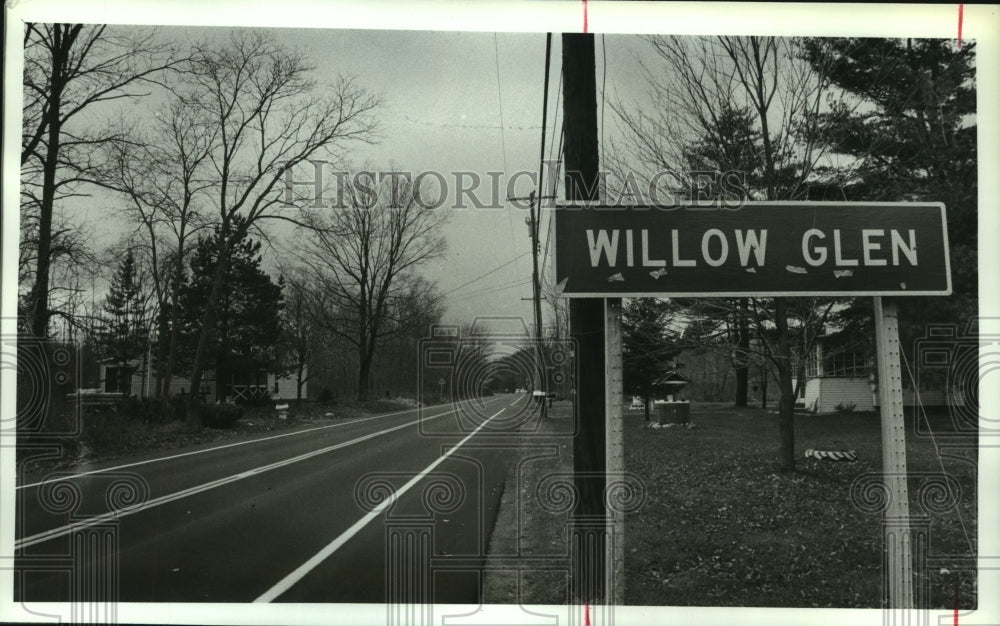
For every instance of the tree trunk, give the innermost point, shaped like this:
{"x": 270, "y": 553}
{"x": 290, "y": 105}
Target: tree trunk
{"x": 763, "y": 386}
{"x": 39, "y": 297}
{"x": 174, "y": 298}
{"x": 742, "y": 379}
{"x": 207, "y": 328}
{"x": 161, "y": 349}
{"x": 743, "y": 346}
{"x": 645, "y": 406}
{"x": 364, "y": 370}
{"x": 298, "y": 384}
{"x": 786, "y": 417}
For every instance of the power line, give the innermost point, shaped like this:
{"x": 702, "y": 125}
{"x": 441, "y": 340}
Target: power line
{"x": 478, "y": 278}
{"x": 503, "y": 141}
{"x": 555, "y": 117}
{"x": 491, "y": 290}
{"x": 604, "y": 82}
{"x": 549, "y": 226}
{"x": 555, "y": 155}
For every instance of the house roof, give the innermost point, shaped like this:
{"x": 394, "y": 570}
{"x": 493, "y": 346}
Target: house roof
{"x": 673, "y": 379}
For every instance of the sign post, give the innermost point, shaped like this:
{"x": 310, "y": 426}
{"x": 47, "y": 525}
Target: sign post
{"x": 897, "y": 556}
{"x": 614, "y": 455}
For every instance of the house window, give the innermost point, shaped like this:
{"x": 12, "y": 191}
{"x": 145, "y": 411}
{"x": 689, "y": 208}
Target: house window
{"x": 117, "y": 379}
{"x": 847, "y": 363}
{"x": 812, "y": 366}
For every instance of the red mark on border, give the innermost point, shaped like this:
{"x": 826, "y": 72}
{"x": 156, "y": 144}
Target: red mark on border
{"x": 586, "y": 610}
{"x": 956, "y": 588}
{"x": 585, "y": 21}
{"x": 960, "y": 12}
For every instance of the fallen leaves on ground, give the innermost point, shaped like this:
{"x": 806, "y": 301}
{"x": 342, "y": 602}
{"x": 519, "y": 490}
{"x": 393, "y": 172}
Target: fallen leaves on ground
{"x": 722, "y": 527}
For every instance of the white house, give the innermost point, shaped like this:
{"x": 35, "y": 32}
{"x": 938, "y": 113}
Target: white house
{"x": 845, "y": 378}
{"x": 135, "y": 379}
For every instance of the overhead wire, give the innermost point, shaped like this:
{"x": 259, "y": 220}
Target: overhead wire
{"x": 551, "y": 221}
{"x": 491, "y": 289}
{"x": 503, "y": 141}
{"x": 482, "y": 276}
{"x": 604, "y": 82}
{"x": 555, "y": 185}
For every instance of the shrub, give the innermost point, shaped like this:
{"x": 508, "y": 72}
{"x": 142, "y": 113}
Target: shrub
{"x": 845, "y": 408}
{"x": 220, "y": 415}
{"x": 151, "y": 409}
{"x": 131, "y": 408}
{"x": 106, "y": 430}
{"x": 325, "y": 395}
{"x": 178, "y": 407}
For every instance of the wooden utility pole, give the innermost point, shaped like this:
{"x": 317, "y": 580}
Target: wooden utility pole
{"x": 541, "y": 378}
{"x": 590, "y": 537}
{"x": 535, "y": 218}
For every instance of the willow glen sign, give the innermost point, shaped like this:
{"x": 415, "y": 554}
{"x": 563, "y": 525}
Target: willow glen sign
{"x": 756, "y": 249}
{"x": 768, "y": 249}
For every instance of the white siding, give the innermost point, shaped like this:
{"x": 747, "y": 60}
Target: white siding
{"x": 286, "y": 386}
{"x": 812, "y": 394}
{"x": 135, "y": 383}
{"x": 845, "y": 392}
{"x": 180, "y": 383}
{"x": 824, "y": 394}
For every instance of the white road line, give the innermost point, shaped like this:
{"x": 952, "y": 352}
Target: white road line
{"x": 222, "y": 447}
{"x": 177, "y": 495}
{"x": 300, "y": 572}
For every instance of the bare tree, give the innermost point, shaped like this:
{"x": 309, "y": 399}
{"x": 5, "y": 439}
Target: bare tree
{"x": 362, "y": 257}
{"x": 270, "y": 116}
{"x": 72, "y": 264}
{"x": 69, "y": 70}
{"x": 161, "y": 174}
{"x": 300, "y": 332}
{"x": 703, "y": 84}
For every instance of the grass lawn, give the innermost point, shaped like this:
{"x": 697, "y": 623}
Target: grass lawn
{"x": 722, "y": 527}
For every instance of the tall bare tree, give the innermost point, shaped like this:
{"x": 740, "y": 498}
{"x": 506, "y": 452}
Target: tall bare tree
{"x": 161, "y": 173}
{"x": 362, "y": 258}
{"x": 270, "y": 115}
{"x": 702, "y": 84}
{"x": 300, "y": 335}
{"x": 69, "y": 70}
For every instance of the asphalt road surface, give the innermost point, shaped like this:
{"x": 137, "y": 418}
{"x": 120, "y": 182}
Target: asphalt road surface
{"x": 354, "y": 511}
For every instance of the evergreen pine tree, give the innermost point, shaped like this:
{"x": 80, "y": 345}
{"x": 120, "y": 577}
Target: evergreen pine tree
{"x": 249, "y": 312}
{"x": 649, "y": 348}
{"x": 123, "y": 323}
{"x": 908, "y": 122}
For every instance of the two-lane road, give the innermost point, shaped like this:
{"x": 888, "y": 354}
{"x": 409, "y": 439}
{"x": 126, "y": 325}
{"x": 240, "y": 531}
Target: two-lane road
{"x": 302, "y": 516}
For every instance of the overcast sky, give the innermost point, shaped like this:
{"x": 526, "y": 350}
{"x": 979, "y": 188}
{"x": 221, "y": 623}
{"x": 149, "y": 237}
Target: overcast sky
{"x": 463, "y": 100}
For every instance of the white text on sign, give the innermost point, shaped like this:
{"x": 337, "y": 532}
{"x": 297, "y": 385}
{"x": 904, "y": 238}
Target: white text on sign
{"x": 631, "y": 248}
